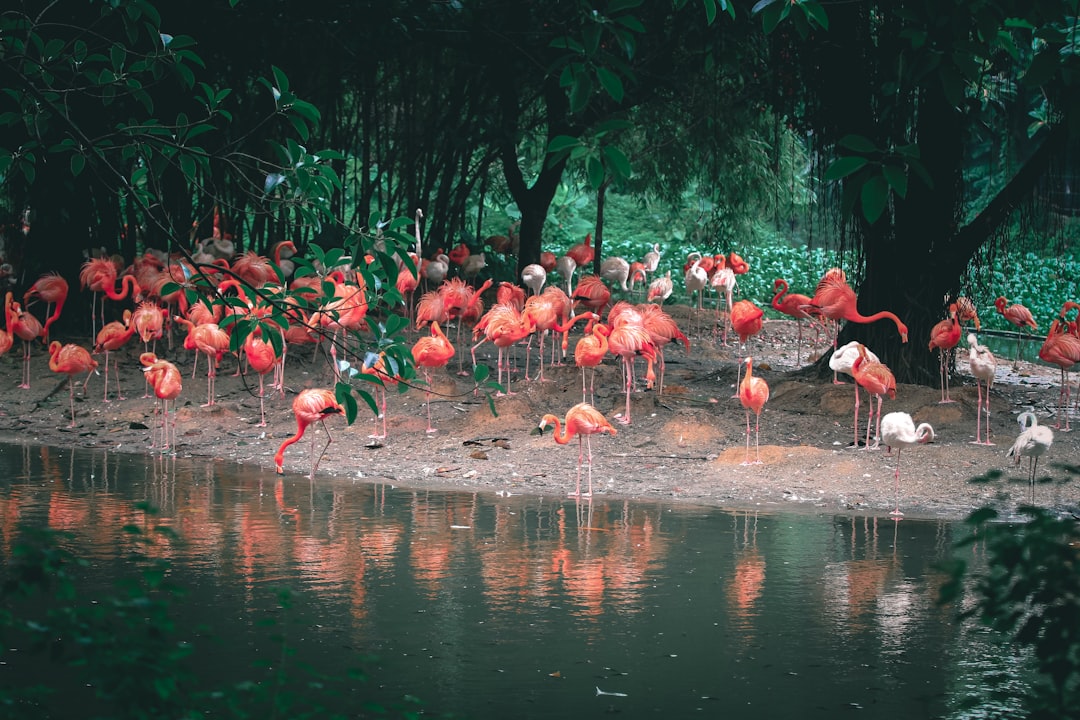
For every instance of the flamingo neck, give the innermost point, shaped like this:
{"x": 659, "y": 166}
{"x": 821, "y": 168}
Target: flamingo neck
{"x": 782, "y": 290}
{"x": 127, "y": 284}
{"x": 855, "y": 316}
{"x": 279, "y": 457}
{"x": 562, "y": 433}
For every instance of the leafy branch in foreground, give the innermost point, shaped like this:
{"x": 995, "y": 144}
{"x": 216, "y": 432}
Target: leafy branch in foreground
{"x": 1030, "y": 592}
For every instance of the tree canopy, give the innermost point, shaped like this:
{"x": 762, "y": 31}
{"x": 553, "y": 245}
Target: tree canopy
{"x": 913, "y": 134}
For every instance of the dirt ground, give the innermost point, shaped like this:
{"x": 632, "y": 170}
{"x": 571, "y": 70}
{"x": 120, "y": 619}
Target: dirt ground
{"x": 686, "y": 445}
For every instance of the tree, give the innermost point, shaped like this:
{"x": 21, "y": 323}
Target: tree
{"x": 892, "y": 92}
{"x": 111, "y": 137}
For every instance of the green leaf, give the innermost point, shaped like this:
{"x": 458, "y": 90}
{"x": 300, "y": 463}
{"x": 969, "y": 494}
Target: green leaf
{"x": 481, "y": 373}
{"x": 343, "y": 394}
{"x": 78, "y": 162}
{"x": 844, "y": 166}
{"x": 897, "y": 179}
{"x": 875, "y": 193}
{"x": 595, "y": 169}
{"x": 617, "y": 6}
{"x": 611, "y": 83}
{"x": 580, "y": 93}
{"x": 561, "y": 142}
{"x": 1042, "y": 69}
{"x": 618, "y": 161}
{"x": 858, "y": 143}
{"x": 816, "y": 13}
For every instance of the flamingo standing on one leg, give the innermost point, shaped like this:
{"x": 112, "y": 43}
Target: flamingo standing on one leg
{"x": 945, "y": 336}
{"x": 430, "y": 352}
{"x": 878, "y": 380}
{"x": 584, "y": 421}
{"x": 311, "y": 405}
{"x": 71, "y": 360}
{"x": 898, "y": 431}
{"x": 114, "y": 336}
{"x": 165, "y": 378}
{"x": 1032, "y": 443}
{"x": 1019, "y": 316}
{"x": 983, "y": 366}
{"x": 753, "y": 394}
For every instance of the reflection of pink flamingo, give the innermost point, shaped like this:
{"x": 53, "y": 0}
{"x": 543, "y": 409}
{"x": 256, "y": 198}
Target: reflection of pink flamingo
{"x": 584, "y": 421}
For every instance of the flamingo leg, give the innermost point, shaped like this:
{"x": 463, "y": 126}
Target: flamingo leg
{"x": 588, "y": 446}
{"x": 629, "y": 370}
{"x": 896, "y": 485}
{"x": 427, "y": 396}
{"x": 855, "y": 442}
{"x": 26, "y": 365}
{"x": 71, "y": 396}
{"x": 262, "y": 408}
{"x": 798, "y": 343}
{"x": 106, "y": 396}
{"x": 580, "y": 456}
{"x": 746, "y": 460}
{"x": 757, "y": 438}
{"x": 329, "y": 439}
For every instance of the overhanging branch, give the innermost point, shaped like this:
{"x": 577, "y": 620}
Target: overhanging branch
{"x": 971, "y": 236}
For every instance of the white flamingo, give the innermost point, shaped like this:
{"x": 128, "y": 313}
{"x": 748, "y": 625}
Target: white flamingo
{"x": 898, "y": 431}
{"x": 1032, "y": 443}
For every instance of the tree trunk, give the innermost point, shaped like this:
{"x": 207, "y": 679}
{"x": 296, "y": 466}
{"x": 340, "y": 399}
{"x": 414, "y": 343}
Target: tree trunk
{"x": 534, "y": 201}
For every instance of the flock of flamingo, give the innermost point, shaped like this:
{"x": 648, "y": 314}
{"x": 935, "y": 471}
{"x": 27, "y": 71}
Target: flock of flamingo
{"x": 338, "y": 304}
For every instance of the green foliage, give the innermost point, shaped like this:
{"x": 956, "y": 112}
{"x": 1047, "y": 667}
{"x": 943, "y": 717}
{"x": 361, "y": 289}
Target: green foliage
{"x": 1042, "y": 284}
{"x": 1031, "y": 594}
{"x": 88, "y": 93}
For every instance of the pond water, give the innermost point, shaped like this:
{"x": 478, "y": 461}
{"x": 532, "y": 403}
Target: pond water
{"x": 490, "y": 606}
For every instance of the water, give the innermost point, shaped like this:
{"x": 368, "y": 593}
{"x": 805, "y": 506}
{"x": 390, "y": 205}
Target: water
{"x": 525, "y": 607}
